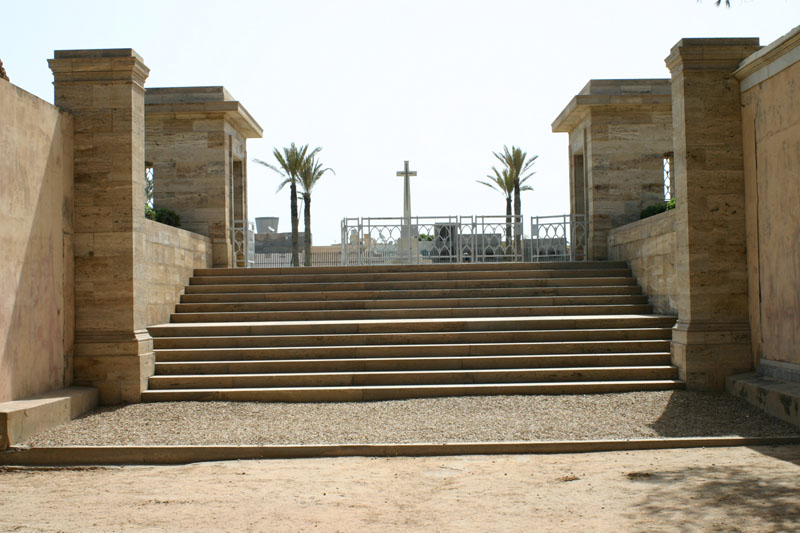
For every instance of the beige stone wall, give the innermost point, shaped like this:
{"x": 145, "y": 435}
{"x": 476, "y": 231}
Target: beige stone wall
{"x": 188, "y": 157}
{"x": 648, "y": 245}
{"x": 172, "y": 256}
{"x": 196, "y": 143}
{"x": 771, "y": 131}
{"x": 619, "y": 131}
{"x": 36, "y": 236}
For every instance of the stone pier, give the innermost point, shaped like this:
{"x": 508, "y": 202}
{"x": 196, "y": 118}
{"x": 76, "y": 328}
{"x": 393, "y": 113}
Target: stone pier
{"x": 619, "y": 133}
{"x": 196, "y": 146}
{"x": 711, "y": 339}
{"x": 104, "y": 91}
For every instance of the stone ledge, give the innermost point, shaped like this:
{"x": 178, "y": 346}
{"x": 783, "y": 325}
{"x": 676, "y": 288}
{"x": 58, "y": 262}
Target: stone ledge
{"x": 778, "y": 398}
{"x": 178, "y": 455}
{"x": 21, "y": 419}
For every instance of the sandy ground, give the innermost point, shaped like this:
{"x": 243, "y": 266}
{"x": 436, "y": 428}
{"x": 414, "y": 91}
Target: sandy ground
{"x": 721, "y": 489}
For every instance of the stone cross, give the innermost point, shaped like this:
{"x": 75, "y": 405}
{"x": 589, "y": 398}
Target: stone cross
{"x": 406, "y": 191}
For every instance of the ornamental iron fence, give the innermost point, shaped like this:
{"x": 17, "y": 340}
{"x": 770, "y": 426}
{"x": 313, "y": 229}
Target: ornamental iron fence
{"x": 558, "y": 238}
{"x": 243, "y": 243}
{"x": 430, "y": 240}
{"x": 417, "y": 240}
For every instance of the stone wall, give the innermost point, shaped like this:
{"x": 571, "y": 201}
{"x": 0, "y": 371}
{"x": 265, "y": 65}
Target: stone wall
{"x": 36, "y": 239}
{"x": 619, "y": 132}
{"x": 771, "y": 131}
{"x": 172, "y": 256}
{"x": 648, "y": 245}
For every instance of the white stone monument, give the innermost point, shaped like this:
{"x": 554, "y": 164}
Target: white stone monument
{"x": 405, "y": 244}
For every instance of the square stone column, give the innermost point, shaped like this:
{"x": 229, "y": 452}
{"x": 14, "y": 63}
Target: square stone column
{"x": 104, "y": 91}
{"x": 196, "y": 142}
{"x": 619, "y": 131}
{"x": 711, "y": 339}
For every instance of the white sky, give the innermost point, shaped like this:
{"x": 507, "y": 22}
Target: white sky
{"x": 440, "y": 83}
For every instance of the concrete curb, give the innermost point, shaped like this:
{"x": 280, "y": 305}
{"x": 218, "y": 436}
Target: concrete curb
{"x": 176, "y": 455}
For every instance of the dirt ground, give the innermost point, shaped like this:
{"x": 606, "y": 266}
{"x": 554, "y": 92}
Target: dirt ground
{"x": 719, "y": 489}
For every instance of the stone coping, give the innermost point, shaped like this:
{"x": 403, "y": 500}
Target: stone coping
{"x": 21, "y": 419}
{"x": 613, "y": 94}
{"x": 231, "y": 110}
{"x": 770, "y": 60}
{"x": 164, "y": 455}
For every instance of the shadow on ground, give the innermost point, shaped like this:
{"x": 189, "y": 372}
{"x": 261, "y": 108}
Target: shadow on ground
{"x": 713, "y": 414}
{"x": 729, "y": 495}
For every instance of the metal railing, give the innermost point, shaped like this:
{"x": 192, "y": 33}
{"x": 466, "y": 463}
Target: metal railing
{"x": 285, "y": 259}
{"x": 445, "y": 239}
{"x": 428, "y": 240}
{"x": 559, "y": 238}
{"x": 243, "y": 243}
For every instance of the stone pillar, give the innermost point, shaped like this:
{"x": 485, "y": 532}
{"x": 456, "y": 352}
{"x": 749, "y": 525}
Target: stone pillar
{"x": 619, "y": 131}
{"x": 104, "y": 91}
{"x": 196, "y": 142}
{"x": 711, "y": 338}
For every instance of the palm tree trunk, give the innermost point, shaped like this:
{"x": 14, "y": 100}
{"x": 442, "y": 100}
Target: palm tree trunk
{"x": 518, "y": 221}
{"x": 508, "y": 223}
{"x": 295, "y": 223}
{"x": 307, "y": 224}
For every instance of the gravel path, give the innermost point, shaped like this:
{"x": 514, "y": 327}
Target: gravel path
{"x": 464, "y": 419}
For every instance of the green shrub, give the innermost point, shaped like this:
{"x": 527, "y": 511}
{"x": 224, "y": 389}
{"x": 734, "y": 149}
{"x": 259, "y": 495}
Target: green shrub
{"x": 657, "y": 208}
{"x": 163, "y": 215}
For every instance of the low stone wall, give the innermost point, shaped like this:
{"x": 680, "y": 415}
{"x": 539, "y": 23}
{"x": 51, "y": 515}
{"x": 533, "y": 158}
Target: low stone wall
{"x": 36, "y": 240}
{"x": 172, "y": 256}
{"x": 648, "y": 245}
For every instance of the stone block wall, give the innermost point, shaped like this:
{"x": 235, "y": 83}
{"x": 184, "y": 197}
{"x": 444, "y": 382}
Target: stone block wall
{"x": 619, "y": 132}
{"x": 36, "y": 239}
{"x": 648, "y": 245}
{"x": 770, "y": 80}
{"x": 172, "y": 256}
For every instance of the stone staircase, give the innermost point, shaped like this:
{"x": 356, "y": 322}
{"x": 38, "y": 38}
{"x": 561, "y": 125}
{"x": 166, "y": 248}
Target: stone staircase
{"x": 391, "y": 332}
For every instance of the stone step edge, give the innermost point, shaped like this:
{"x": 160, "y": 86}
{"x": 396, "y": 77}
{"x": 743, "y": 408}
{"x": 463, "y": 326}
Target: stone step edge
{"x": 416, "y": 372}
{"x": 411, "y": 310}
{"x": 645, "y": 318}
{"x": 350, "y": 286}
{"x": 360, "y": 277}
{"x": 361, "y": 393}
{"x": 178, "y": 455}
{"x": 436, "y": 358}
{"x": 427, "y": 267}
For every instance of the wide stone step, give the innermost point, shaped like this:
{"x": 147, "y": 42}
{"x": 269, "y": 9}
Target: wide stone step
{"x": 427, "y": 294}
{"x": 409, "y": 377}
{"x": 379, "y": 339}
{"x": 439, "y": 325}
{"x": 415, "y": 350}
{"x": 408, "y": 285}
{"x": 324, "y": 277}
{"x": 439, "y": 267}
{"x": 415, "y": 303}
{"x": 397, "y": 392}
{"x": 383, "y": 314}
{"x": 411, "y": 363}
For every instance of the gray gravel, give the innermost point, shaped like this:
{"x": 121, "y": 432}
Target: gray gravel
{"x": 436, "y": 420}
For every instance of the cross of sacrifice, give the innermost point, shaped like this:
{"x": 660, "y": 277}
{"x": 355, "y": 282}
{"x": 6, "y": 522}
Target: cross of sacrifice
{"x": 406, "y": 192}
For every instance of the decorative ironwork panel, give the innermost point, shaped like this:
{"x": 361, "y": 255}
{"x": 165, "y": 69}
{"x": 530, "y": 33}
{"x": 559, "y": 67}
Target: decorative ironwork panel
{"x": 558, "y": 238}
{"x": 669, "y": 176}
{"x": 446, "y": 239}
{"x": 243, "y": 243}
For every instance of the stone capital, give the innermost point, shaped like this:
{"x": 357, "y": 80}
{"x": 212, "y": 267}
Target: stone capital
{"x": 117, "y": 65}
{"x": 710, "y": 54}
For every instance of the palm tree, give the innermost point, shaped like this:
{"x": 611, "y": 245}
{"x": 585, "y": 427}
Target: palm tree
{"x": 310, "y": 173}
{"x": 504, "y": 184}
{"x": 518, "y": 165}
{"x": 291, "y": 162}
